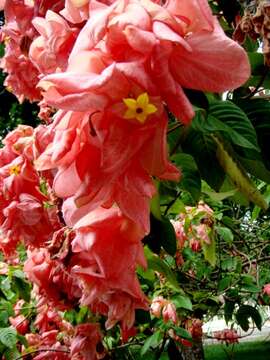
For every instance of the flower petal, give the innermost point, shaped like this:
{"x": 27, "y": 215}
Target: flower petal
{"x": 131, "y": 103}
{"x": 143, "y": 100}
{"x": 130, "y": 114}
{"x": 217, "y": 63}
{"x": 151, "y": 109}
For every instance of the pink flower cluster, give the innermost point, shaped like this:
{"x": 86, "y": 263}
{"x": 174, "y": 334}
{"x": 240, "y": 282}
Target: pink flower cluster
{"x": 77, "y": 191}
{"x": 200, "y": 221}
{"x": 57, "y": 338}
{"x": 165, "y": 308}
{"x": 227, "y": 336}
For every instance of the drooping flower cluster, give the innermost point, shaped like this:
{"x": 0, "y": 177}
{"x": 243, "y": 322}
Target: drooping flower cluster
{"x": 80, "y": 187}
{"x": 58, "y": 339}
{"x": 26, "y": 213}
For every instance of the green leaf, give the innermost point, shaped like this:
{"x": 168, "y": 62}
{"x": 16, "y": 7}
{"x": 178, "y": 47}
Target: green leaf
{"x": 142, "y": 316}
{"x": 224, "y": 283}
{"x": 162, "y": 233}
{"x": 12, "y": 354}
{"x": 82, "y": 314}
{"x": 156, "y": 264}
{"x": 147, "y": 274}
{"x": 228, "y": 310}
{"x": 22, "y": 340}
{"x": 8, "y": 337}
{"x": 164, "y": 356}
{"x": 190, "y": 175}
{"x": 255, "y": 167}
{"x": 18, "y": 274}
{"x": 239, "y": 176}
{"x": 152, "y": 342}
{"x": 183, "y": 302}
{"x": 155, "y": 203}
{"x": 229, "y": 264}
{"x": 183, "y": 333}
{"x": 228, "y": 118}
{"x": 258, "y": 110}
{"x": 153, "y": 239}
{"x": 209, "y": 252}
{"x": 244, "y": 313}
{"x": 214, "y": 125}
{"x": 219, "y": 196}
{"x": 256, "y": 211}
{"x": 251, "y": 288}
{"x": 4, "y": 315}
{"x": 257, "y": 62}
{"x": 168, "y": 236}
{"x": 23, "y": 288}
{"x": 201, "y": 146}
{"x": 225, "y": 233}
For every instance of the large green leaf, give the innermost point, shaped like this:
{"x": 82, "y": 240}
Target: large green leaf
{"x": 244, "y": 313}
{"x": 157, "y": 264}
{"x": 228, "y": 118}
{"x": 162, "y": 233}
{"x": 190, "y": 175}
{"x": 228, "y": 310}
{"x": 257, "y": 62}
{"x": 12, "y": 354}
{"x": 181, "y": 301}
{"x": 168, "y": 236}
{"x": 201, "y": 146}
{"x": 8, "y": 337}
{"x": 258, "y": 111}
{"x": 152, "y": 342}
{"x": 230, "y": 121}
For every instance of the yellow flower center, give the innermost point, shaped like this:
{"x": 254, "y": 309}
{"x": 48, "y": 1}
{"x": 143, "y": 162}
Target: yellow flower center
{"x": 139, "y": 108}
{"x": 9, "y": 89}
{"x": 14, "y": 170}
{"x": 6, "y": 39}
{"x": 79, "y": 3}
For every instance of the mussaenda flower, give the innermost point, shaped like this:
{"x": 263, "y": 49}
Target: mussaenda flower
{"x": 139, "y": 108}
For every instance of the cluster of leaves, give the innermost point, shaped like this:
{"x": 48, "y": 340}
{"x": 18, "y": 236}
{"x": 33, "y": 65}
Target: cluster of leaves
{"x": 13, "y": 287}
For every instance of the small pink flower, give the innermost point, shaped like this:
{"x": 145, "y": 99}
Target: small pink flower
{"x": 156, "y": 306}
{"x": 266, "y": 289}
{"x": 169, "y": 313}
{"x": 195, "y": 245}
{"x": 20, "y": 323}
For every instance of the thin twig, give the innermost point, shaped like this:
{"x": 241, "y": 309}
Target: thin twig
{"x": 174, "y": 128}
{"x": 170, "y": 204}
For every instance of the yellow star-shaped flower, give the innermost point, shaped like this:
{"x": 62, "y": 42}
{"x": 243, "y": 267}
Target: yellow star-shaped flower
{"x": 139, "y": 108}
{"x": 14, "y": 170}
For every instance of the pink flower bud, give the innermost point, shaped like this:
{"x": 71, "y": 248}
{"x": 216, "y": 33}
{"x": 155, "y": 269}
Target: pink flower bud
{"x": 169, "y": 313}
{"x": 157, "y": 304}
